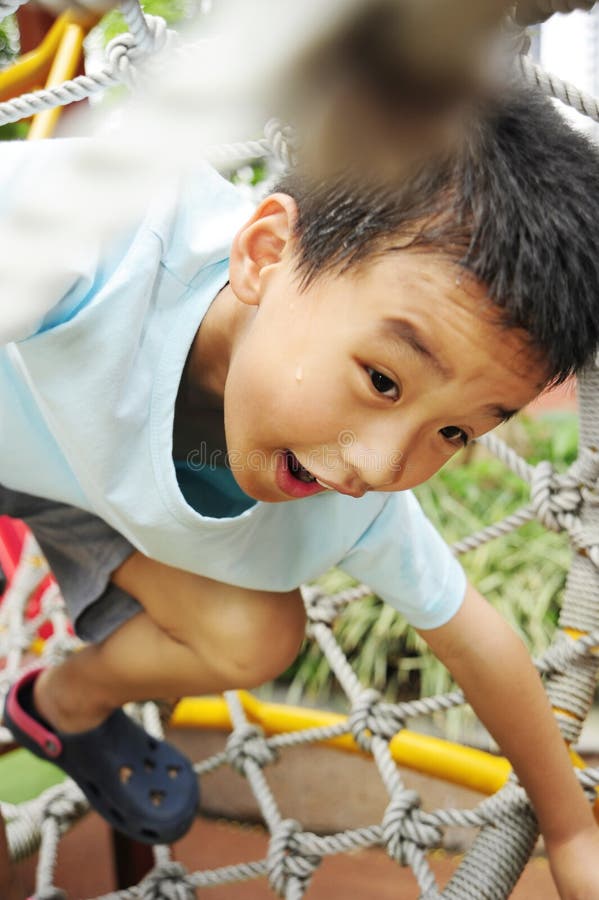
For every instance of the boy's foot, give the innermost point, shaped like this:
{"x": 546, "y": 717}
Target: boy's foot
{"x": 144, "y": 787}
{"x": 67, "y": 705}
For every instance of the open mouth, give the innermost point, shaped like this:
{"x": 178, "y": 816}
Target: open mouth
{"x": 300, "y": 473}
{"x": 297, "y": 470}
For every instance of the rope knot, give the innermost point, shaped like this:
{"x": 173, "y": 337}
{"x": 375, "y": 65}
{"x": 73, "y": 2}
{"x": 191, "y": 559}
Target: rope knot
{"x": 247, "y": 744}
{"x": 125, "y": 51}
{"x": 321, "y": 608}
{"x": 120, "y": 53}
{"x": 167, "y": 882}
{"x": 404, "y": 825}
{"x": 556, "y": 499}
{"x": 155, "y": 36}
{"x": 370, "y": 718}
{"x": 281, "y": 139}
{"x": 65, "y": 809}
{"x": 285, "y": 861}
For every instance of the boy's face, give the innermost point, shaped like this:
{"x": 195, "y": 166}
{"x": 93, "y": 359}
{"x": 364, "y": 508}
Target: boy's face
{"x": 368, "y": 381}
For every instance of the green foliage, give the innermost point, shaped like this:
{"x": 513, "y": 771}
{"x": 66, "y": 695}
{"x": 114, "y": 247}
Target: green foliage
{"x": 9, "y": 41}
{"x": 251, "y": 174}
{"x": 14, "y": 131}
{"x": 172, "y": 11}
{"x": 9, "y": 48}
{"x": 23, "y": 776}
{"x": 522, "y": 574}
{"x": 113, "y": 24}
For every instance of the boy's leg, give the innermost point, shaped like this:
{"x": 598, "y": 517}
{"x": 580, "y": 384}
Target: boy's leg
{"x": 195, "y": 636}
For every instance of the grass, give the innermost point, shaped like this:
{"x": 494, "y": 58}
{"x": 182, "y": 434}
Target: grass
{"x": 172, "y": 11}
{"x": 523, "y": 574}
{"x": 23, "y": 776}
{"x": 9, "y": 41}
{"x": 9, "y": 48}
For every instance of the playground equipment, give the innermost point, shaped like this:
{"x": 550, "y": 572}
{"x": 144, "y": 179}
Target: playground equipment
{"x": 508, "y": 830}
{"x": 53, "y": 62}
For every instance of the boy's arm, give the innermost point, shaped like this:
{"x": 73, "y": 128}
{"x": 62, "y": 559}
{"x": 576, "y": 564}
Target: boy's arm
{"x": 57, "y": 218}
{"x": 494, "y": 669}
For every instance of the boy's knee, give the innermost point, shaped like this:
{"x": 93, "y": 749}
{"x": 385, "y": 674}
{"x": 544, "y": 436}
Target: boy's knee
{"x": 242, "y": 637}
{"x": 262, "y": 638}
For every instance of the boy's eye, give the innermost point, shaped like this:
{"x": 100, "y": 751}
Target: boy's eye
{"x": 454, "y": 435}
{"x": 382, "y": 384}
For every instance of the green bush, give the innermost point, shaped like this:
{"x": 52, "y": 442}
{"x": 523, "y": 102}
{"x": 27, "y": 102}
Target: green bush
{"x": 9, "y": 48}
{"x": 9, "y": 41}
{"x": 172, "y": 11}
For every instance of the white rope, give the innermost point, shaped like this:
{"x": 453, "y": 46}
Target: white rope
{"x": 124, "y": 53}
{"x": 8, "y": 7}
{"x": 294, "y": 854}
{"x": 562, "y": 90}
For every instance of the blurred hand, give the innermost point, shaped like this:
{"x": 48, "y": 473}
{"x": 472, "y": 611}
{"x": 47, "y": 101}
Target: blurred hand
{"x": 529, "y": 12}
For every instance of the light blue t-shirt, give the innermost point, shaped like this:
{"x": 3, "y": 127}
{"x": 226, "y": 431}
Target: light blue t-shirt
{"x": 87, "y": 405}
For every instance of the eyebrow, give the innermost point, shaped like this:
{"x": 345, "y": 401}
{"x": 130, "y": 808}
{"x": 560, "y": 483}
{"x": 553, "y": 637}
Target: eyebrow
{"x": 404, "y": 332}
{"x": 399, "y": 330}
{"x": 500, "y": 412}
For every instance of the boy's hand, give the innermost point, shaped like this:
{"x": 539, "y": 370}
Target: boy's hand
{"x": 495, "y": 671}
{"x": 575, "y": 865}
{"x": 529, "y": 12}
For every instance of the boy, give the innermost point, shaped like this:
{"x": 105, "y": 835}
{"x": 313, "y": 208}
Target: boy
{"x": 329, "y": 351}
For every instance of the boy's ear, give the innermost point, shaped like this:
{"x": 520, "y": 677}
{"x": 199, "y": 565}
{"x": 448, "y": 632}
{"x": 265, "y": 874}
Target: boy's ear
{"x": 262, "y": 242}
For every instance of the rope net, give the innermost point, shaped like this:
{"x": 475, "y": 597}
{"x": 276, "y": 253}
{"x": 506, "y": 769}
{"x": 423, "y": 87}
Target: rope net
{"x": 507, "y": 826}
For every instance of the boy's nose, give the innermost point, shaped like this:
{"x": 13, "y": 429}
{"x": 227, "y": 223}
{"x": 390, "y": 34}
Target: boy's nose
{"x": 383, "y": 471}
{"x": 379, "y": 463}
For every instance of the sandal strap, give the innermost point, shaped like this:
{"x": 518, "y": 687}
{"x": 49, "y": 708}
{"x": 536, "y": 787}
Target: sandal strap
{"x": 47, "y": 740}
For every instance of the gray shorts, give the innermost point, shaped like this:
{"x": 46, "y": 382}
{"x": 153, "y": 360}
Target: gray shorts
{"x": 83, "y": 552}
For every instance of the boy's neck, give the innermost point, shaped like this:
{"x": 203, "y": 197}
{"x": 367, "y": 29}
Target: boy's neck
{"x": 208, "y": 360}
{"x": 199, "y": 404}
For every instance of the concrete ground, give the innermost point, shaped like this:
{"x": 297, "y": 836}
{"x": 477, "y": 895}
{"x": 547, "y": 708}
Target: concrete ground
{"x": 85, "y": 867}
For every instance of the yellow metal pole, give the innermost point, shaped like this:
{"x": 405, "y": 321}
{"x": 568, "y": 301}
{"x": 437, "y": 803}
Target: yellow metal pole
{"x": 63, "y": 68}
{"x": 32, "y": 68}
{"x": 466, "y": 766}
{"x": 438, "y": 758}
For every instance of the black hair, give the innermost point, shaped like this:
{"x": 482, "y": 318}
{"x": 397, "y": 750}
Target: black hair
{"x": 517, "y": 206}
